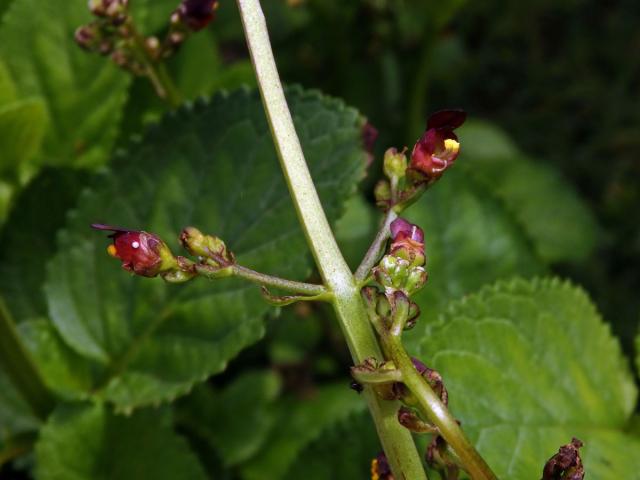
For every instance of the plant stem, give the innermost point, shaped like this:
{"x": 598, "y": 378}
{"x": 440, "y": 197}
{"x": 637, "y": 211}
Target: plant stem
{"x": 20, "y": 368}
{"x": 155, "y": 71}
{"x": 437, "y": 412}
{"x": 277, "y": 282}
{"x": 377, "y": 247}
{"x": 396, "y": 440}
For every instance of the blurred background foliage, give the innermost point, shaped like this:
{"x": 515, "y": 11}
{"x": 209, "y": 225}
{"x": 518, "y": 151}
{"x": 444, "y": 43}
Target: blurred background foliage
{"x": 548, "y": 179}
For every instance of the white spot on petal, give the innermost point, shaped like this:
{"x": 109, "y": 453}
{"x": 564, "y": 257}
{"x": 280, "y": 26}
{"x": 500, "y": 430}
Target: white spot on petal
{"x": 135, "y": 244}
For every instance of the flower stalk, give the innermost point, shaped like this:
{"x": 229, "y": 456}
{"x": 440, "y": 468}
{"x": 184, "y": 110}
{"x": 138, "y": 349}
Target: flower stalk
{"x": 397, "y": 441}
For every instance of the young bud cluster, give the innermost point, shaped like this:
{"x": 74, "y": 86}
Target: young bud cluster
{"x": 113, "y": 33}
{"x": 566, "y": 464}
{"x": 145, "y": 254}
{"x": 403, "y": 267}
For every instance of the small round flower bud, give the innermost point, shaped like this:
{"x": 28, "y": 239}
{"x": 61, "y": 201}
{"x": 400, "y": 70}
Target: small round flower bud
{"x": 380, "y": 469}
{"x": 438, "y": 147}
{"x": 395, "y": 163}
{"x": 142, "y": 253}
{"x": 382, "y": 193}
{"x": 206, "y": 246}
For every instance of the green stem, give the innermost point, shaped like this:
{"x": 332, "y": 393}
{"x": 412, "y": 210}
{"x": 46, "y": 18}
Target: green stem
{"x": 377, "y": 247}
{"x": 437, "y": 412}
{"x": 155, "y": 71}
{"x": 396, "y": 440}
{"x": 21, "y": 369}
{"x": 277, "y": 282}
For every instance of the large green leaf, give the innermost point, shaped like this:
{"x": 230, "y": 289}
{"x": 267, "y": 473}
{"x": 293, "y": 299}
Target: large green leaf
{"x": 470, "y": 240}
{"x": 302, "y": 422}
{"x": 16, "y": 416}
{"x": 342, "y": 452}
{"x": 83, "y": 93}
{"x": 28, "y": 238}
{"x": 236, "y": 421}
{"x": 87, "y": 442}
{"x": 528, "y": 365}
{"x": 213, "y": 166}
{"x": 22, "y": 125}
{"x": 546, "y": 205}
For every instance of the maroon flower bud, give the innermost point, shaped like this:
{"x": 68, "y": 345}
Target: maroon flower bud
{"x": 140, "y": 252}
{"x": 566, "y": 464}
{"x": 195, "y": 14}
{"x": 438, "y": 147}
{"x": 380, "y": 469}
{"x": 407, "y": 242}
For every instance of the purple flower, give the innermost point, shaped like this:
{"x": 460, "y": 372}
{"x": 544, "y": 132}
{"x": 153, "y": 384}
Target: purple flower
{"x": 407, "y": 241}
{"x": 438, "y": 147}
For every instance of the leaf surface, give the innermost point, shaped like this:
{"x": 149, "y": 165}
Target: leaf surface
{"x": 546, "y": 205}
{"x": 83, "y": 93}
{"x": 88, "y": 442}
{"x": 528, "y": 366}
{"x": 213, "y": 166}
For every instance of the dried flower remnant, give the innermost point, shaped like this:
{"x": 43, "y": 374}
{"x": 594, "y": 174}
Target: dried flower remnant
{"x": 142, "y": 253}
{"x": 380, "y": 469}
{"x": 438, "y": 147}
{"x": 566, "y": 464}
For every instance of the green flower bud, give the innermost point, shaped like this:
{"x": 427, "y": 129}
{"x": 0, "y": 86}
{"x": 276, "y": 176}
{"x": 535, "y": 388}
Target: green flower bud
{"x": 395, "y": 163}
{"x": 208, "y": 247}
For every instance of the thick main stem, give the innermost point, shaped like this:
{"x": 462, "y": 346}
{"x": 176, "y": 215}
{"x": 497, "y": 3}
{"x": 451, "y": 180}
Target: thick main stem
{"x": 396, "y": 440}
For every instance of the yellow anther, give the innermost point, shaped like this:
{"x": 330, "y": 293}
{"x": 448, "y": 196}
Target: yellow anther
{"x": 374, "y": 470}
{"x": 451, "y": 145}
{"x": 111, "y": 250}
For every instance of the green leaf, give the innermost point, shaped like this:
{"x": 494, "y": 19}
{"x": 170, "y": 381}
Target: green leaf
{"x": 529, "y": 365}
{"x": 62, "y": 369}
{"x": 16, "y": 417}
{"x": 83, "y": 93}
{"x": 343, "y": 452}
{"x": 28, "y": 239}
{"x": 546, "y": 205}
{"x": 470, "y": 240}
{"x": 356, "y": 229}
{"x": 89, "y": 442}
{"x": 300, "y": 424}
{"x": 22, "y": 126}
{"x": 235, "y": 422}
{"x": 213, "y": 166}
{"x": 7, "y": 87}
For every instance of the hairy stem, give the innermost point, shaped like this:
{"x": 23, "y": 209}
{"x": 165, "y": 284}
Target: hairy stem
{"x": 277, "y": 282}
{"x": 396, "y": 440}
{"x": 437, "y": 413}
{"x": 20, "y": 368}
{"x": 377, "y": 247}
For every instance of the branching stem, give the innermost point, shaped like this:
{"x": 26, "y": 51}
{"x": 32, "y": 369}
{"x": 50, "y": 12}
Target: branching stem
{"x": 436, "y": 412}
{"x": 277, "y": 282}
{"x": 376, "y": 249}
{"x": 396, "y": 440}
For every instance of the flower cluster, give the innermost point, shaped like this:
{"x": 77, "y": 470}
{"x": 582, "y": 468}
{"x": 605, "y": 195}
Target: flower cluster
{"x": 433, "y": 153}
{"x": 402, "y": 269}
{"x": 566, "y": 464}
{"x": 146, "y": 255}
{"x": 113, "y": 32}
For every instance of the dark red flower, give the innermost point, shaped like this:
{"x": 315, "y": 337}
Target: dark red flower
{"x": 438, "y": 147}
{"x": 196, "y": 14}
{"x": 407, "y": 241}
{"x": 142, "y": 253}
